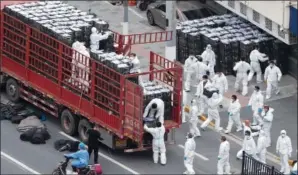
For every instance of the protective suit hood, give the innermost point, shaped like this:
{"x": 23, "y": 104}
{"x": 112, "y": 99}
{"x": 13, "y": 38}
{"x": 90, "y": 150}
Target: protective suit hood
{"x": 82, "y": 146}
{"x": 215, "y": 96}
{"x": 93, "y": 30}
{"x": 283, "y": 132}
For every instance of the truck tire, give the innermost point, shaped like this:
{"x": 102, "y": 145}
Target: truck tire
{"x": 150, "y": 18}
{"x": 13, "y": 90}
{"x": 69, "y": 122}
{"x": 84, "y": 125}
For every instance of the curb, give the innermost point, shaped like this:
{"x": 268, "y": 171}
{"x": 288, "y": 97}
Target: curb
{"x": 203, "y": 118}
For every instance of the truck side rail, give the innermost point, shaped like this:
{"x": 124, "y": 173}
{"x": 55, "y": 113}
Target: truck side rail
{"x": 134, "y": 98}
{"x": 47, "y": 65}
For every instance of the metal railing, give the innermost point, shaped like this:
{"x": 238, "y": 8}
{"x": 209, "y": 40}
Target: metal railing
{"x": 251, "y": 166}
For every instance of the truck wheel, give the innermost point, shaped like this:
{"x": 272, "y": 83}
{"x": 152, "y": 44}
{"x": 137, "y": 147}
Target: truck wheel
{"x": 69, "y": 122}
{"x": 84, "y": 125}
{"x": 13, "y": 90}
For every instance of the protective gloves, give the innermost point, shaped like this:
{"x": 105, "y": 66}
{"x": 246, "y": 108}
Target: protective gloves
{"x": 260, "y": 110}
{"x": 185, "y": 158}
{"x": 218, "y": 158}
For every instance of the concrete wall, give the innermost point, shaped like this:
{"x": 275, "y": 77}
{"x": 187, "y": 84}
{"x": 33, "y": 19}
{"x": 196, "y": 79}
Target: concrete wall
{"x": 276, "y": 11}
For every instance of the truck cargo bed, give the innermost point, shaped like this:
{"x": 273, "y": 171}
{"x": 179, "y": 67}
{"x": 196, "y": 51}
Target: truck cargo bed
{"x": 111, "y": 100}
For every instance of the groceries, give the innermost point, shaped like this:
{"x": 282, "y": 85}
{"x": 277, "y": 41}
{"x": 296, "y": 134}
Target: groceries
{"x": 154, "y": 90}
{"x": 59, "y": 20}
{"x": 230, "y": 37}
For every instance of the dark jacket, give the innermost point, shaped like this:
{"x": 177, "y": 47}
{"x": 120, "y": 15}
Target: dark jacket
{"x": 94, "y": 137}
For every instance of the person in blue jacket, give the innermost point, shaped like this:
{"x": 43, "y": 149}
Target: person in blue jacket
{"x": 80, "y": 158}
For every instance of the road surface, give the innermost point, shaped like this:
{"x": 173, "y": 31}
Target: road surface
{"x": 44, "y": 158}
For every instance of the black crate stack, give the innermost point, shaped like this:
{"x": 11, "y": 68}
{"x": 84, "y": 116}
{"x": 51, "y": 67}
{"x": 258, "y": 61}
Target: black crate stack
{"x": 155, "y": 90}
{"x": 59, "y": 20}
{"x": 230, "y": 37}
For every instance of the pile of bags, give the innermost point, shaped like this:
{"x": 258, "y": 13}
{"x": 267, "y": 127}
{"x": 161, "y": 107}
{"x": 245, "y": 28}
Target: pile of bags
{"x": 66, "y": 145}
{"x": 9, "y": 111}
{"x": 230, "y": 37}
{"x": 60, "y": 20}
{"x": 33, "y": 130}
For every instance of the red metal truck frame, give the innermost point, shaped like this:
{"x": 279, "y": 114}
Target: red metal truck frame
{"x": 42, "y": 63}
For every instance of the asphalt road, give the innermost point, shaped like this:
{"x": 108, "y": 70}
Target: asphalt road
{"x": 9, "y": 167}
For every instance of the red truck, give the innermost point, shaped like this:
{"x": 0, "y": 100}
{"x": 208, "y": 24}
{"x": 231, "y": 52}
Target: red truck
{"x": 37, "y": 67}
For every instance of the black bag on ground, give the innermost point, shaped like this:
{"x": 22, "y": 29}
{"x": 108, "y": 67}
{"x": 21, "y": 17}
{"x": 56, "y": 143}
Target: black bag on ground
{"x": 16, "y": 119}
{"x": 38, "y": 137}
{"x": 45, "y": 133}
{"x": 27, "y": 136}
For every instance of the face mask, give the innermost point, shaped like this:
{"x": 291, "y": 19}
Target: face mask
{"x": 283, "y": 135}
{"x": 271, "y": 66}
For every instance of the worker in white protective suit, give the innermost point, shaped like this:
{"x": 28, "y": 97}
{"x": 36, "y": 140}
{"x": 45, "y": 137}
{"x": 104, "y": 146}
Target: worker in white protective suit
{"x": 284, "y": 150}
{"x": 135, "y": 68}
{"x": 158, "y": 143}
{"x": 249, "y": 146}
{"x": 185, "y": 97}
{"x": 223, "y": 164}
{"x": 272, "y": 77}
{"x": 255, "y": 58}
{"x": 202, "y": 99}
{"x": 213, "y": 113}
{"x": 261, "y": 147}
{"x": 267, "y": 115}
{"x": 209, "y": 59}
{"x": 189, "y": 154}
{"x": 189, "y": 71}
{"x": 154, "y": 111}
{"x": 200, "y": 69}
{"x": 220, "y": 82}
{"x": 256, "y": 102}
{"x": 193, "y": 119}
{"x": 234, "y": 115}
{"x": 242, "y": 69}
{"x": 95, "y": 39}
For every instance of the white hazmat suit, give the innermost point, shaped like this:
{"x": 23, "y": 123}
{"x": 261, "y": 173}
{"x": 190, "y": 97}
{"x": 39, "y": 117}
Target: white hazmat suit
{"x": 221, "y": 83}
{"x": 213, "y": 113}
{"x": 261, "y": 147}
{"x": 95, "y": 38}
{"x": 189, "y": 154}
{"x": 256, "y": 102}
{"x": 189, "y": 71}
{"x": 136, "y": 68}
{"x": 272, "y": 77}
{"x": 200, "y": 69}
{"x": 209, "y": 59}
{"x": 202, "y": 99}
{"x": 194, "y": 120}
{"x": 267, "y": 123}
{"x": 158, "y": 143}
{"x": 223, "y": 164}
{"x": 249, "y": 146}
{"x": 153, "y": 114}
{"x": 284, "y": 149}
{"x": 255, "y": 56}
{"x": 234, "y": 116}
{"x": 241, "y": 68}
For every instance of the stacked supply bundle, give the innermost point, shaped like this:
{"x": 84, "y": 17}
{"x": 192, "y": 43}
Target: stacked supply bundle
{"x": 59, "y": 20}
{"x": 230, "y": 37}
{"x": 154, "y": 90}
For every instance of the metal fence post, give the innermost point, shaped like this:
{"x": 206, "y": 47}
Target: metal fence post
{"x": 243, "y": 163}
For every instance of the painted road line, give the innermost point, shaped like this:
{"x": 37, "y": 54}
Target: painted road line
{"x": 197, "y": 154}
{"x": 135, "y": 12}
{"x": 22, "y": 165}
{"x": 104, "y": 156}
